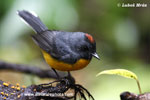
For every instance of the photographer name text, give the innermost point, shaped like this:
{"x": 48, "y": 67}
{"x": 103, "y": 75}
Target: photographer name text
{"x": 124, "y": 5}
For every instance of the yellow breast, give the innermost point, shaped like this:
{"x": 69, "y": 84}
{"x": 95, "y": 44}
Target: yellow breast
{"x": 62, "y": 66}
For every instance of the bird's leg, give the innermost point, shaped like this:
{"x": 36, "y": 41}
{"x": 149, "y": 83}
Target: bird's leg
{"x": 56, "y": 73}
{"x": 57, "y": 76}
{"x": 69, "y": 74}
{"x": 71, "y": 78}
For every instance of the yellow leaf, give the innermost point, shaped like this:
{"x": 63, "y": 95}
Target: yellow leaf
{"x": 124, "y": 73}
{"x": 120, "y": 72}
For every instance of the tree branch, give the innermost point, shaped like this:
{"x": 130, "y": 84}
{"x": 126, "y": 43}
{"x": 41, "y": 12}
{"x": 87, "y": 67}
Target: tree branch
{"x": 55, "y": 90}
{"x": 132, "y": 96}
{"x": 29, "y": 70}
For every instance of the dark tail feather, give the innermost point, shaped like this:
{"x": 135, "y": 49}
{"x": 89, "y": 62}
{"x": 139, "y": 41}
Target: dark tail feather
{"x": 33, "y": 21}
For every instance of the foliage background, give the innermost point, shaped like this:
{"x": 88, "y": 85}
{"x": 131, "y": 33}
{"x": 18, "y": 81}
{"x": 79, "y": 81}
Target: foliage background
{"x": 122, "y": 36}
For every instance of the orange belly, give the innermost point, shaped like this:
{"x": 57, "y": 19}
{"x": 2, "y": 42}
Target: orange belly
{"x": 59, "y": 65}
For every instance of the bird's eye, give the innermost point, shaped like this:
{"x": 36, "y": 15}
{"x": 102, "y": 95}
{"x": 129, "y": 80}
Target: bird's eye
{"x": 84, "y": 48}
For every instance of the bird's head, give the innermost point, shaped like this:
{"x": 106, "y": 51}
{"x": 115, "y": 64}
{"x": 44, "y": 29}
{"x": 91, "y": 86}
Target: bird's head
{"x": 86, "y": 46}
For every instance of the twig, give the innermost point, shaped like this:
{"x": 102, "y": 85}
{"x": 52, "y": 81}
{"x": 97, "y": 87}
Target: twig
{"x": 29, "y": 70}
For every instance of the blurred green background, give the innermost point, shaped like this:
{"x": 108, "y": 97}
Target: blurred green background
{"x": 122, "y": 36}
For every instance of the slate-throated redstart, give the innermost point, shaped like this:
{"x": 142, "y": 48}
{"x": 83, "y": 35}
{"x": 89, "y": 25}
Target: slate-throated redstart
{"x": 64, "y": 51}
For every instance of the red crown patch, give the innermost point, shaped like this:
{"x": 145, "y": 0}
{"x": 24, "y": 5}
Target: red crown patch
{"x": 90, "y": 38}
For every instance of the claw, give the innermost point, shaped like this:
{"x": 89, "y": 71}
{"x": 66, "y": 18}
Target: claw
{"x": 63, "y": 85}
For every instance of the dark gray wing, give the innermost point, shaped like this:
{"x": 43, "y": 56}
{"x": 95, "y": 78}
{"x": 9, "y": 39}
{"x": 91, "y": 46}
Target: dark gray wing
{"x": 64, "y": 48}
{"x": 57, "y": 45}
{"x": 45, "y": 40}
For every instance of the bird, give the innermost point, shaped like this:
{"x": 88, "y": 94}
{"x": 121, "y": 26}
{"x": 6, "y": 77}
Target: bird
{"x": 63, "y": 51}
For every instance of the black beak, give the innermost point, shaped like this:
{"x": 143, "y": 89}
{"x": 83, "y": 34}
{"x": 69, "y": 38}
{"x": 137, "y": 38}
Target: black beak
{"x": 96, "y": 55}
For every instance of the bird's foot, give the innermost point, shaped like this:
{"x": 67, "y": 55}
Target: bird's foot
{"x": 81, "y": 92}
{"x": 65, "y": 84}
